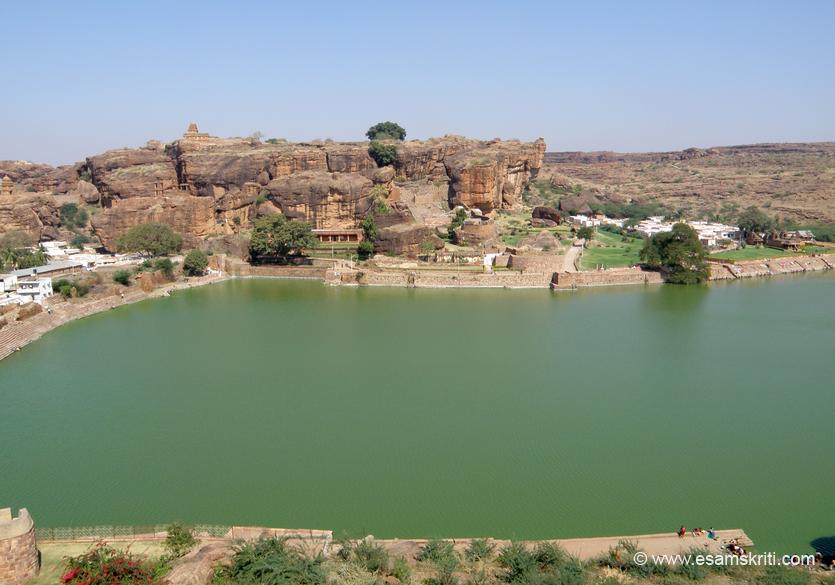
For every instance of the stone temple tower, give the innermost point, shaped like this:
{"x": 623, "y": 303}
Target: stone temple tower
{"x": 19, "y": 559}
{"x": 6, "y": 186}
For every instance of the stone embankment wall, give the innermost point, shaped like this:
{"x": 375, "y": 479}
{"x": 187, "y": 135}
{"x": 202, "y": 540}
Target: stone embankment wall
{"x": 612, "y": 277}
{"x": 440, "y": 278}
{"x": 244, "y": 270}
{"x": 724, "y": 270}
{"x": 19, "y": 559}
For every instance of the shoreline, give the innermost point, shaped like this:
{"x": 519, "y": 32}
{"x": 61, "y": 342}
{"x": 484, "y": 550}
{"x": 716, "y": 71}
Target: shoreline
{"x": 18, "y": 334}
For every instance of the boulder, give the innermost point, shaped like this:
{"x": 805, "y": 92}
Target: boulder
{"x": 85, "y": 192}
{"x": 474, "y": 232}
{"x": 406, "y": 239}
{"x": 547, "y": 213}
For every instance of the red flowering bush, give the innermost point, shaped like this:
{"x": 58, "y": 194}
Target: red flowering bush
{"x": 104, "y": 565}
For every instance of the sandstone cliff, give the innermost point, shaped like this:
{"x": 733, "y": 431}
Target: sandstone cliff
{"x": 205, "y": 186}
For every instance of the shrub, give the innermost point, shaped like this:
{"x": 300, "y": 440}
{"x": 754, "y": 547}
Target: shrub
{"x": 778, "y": 575}
{"x": 386, "y": 130}
{"x": 372, "y": 557}
{"x": 457, "y": 221}
{"x": 401, "y": 570}
{"x": 104, "y": 565}
{"x": 440, "y": 552}
{"x": 79, "y": 240}
{"x": 271, "y": 561}
{"x": 479, "y": 549}
{"x": 122, "y": 277}
{"x": 67, "y": 288}
{"x": 72, "y": 216}
{"x": 383, "y": 154}
{"x": 165, "y": 266}
{"x": 153, "y": 239}
{"x": 517, "y": 561}
{"x": 549, "y": 556}
{"x": 195, "y": 263}
{"x": 179, "y": 540}
{"x": 365, "y": 249}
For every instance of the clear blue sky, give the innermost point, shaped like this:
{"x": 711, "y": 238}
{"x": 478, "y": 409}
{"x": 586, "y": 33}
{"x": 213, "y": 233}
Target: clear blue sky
{"x": 81, "y": 77}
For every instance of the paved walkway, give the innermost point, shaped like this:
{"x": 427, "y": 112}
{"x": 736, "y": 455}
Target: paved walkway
{"x": 655, "y": 544}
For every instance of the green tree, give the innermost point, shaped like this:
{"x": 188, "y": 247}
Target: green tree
{"x": 382, "y": 153}
{"x": 386, "y": 130}
{"x": 72, "y": 216}
{"x": 179, "y": 540}
{"x": 151, "y": 239}
{"x": 365, "y": 249}
{"x": 678, "y": 252}
{"x": 586, "y": 232}
{"x": 275, "y": 235}
{"x": 457, "y": 221}
{"x": 17, "y": 250}
{"x": 754, "y": 219}
{"x": 122, "y": 277}
{"x": 195, "y": 263}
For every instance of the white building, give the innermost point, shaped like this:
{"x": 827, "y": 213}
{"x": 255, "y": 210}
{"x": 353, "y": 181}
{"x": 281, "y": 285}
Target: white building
{"x": 710, "y": 233}
{"x": 8, "y": 282}
{"x": 37, "y": 290}
{"x": 584, "y": 220}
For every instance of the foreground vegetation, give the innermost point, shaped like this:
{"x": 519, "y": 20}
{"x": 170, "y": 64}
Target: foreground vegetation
{"x": 439, "y": 562}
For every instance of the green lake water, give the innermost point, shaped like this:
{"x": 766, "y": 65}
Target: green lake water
{"x": 446, "y": 413}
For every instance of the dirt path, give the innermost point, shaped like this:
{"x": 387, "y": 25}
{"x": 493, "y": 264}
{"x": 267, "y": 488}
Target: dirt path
{"x": 572, "y": 257}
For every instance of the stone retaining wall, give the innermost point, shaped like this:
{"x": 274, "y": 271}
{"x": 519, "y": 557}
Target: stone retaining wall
{"x": 19, "y": 559}
{"x": 440, "y": 278}
{"x": 613, "y": 277}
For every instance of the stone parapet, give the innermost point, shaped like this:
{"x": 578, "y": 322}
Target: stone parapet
{"x": 19, "y": 559}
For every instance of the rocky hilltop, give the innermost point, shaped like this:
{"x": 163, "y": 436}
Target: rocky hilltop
{"x": 205, "y": 186}
{"x": 793, "y": 181}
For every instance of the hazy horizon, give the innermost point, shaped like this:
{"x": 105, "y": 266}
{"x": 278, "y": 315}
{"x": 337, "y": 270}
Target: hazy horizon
{"x": 83, "y": 78}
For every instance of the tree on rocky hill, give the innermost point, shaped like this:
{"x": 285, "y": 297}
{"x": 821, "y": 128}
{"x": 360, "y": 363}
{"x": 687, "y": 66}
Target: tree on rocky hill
{"x": 150, "y": 239}
{"x": 382, "y": 153}
{"x": 275, "y": 235}
{"x": 386, "y": 131}
{"x": 679, "y": 253}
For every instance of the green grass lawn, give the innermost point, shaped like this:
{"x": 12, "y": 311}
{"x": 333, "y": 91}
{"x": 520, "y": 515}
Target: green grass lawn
{"x": 614, "y": 253}
{"x": 752, "y": 253}
{"x": 53, "y": 554}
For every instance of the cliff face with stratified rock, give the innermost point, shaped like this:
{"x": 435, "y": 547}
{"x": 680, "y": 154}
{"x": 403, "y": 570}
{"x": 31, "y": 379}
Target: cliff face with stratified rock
{"x": 207, "y": 187}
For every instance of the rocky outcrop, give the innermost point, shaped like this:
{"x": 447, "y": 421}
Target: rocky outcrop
{"x": 194, "y": 217}
{"x": 323, "y": 199}
{"x": 204, "y": 186}
{"x": 493, "y": 174}
{"x": 33, "y": 213}
{"x": 132, "y": 172}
